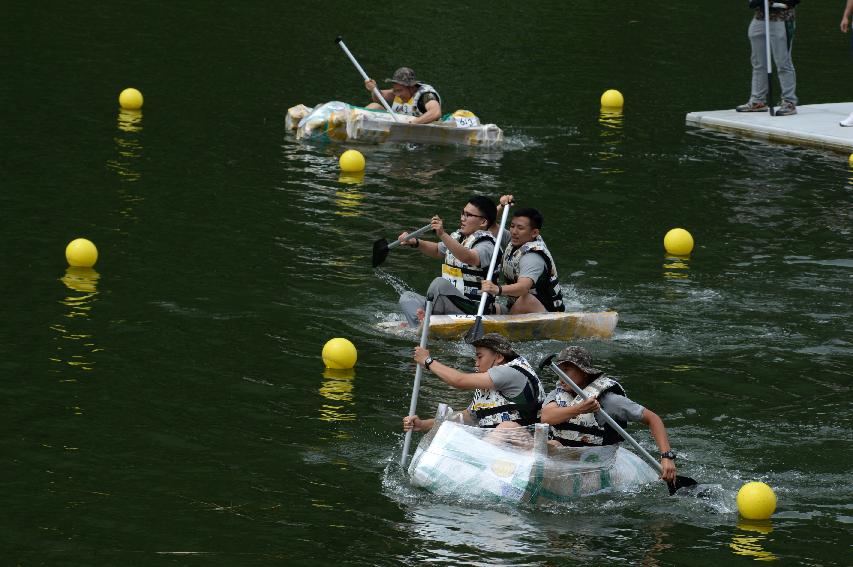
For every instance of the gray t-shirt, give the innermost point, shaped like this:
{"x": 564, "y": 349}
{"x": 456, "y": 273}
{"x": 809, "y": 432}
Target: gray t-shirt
{"x": 508, "y": 380}
{"x": 618, "y": 407}
{"x": 531, "y": 266}
{"x": 484, "y": 249}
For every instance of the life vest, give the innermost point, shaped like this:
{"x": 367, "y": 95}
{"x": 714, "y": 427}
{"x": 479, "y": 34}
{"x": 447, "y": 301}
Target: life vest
{"x": 410, "y": 107}
{"x": 584, "y": 430}
{"x": 467, "y": 279}
{"x": 491, "y": 407}
{"x": 547, "y": 288}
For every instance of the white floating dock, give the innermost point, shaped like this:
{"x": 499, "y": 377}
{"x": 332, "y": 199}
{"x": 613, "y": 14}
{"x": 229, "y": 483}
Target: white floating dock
{"x": 814, "y": 125}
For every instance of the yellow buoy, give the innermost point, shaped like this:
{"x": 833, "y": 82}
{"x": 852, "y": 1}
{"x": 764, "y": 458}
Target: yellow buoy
{"x": 130, "y": 99}
{"x": 352, "y": 161}
{"x": 339, "y": 353}
{"x": 612, "y": 99}
{"x": 678, "y": 242}
{"x": 850, "y": 159}
{"x": 81, "y": 253}
{"x": 756, "y": 501}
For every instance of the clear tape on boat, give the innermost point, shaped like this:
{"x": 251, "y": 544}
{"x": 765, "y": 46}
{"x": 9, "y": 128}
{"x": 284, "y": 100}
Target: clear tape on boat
{"x": 339, "y": 121}
{"x": 517, "y": 465}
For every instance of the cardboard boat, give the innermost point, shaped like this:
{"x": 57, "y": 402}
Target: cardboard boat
{"x": 517, "y": 465}
{"x": 341, "y": 122}
{"x": 526, "y": 327}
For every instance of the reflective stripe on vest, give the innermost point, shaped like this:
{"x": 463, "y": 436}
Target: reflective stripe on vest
{"x": 584, "y": 430}
{"x": 490, "y": 407}
{"x": 547, "y": 288}
{"x": 465, "y": 277}
{"x": 410, "y": 107}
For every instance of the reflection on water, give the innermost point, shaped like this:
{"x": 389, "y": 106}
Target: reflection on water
{"x": 337, "y": 391}
{"x": 749, "y": 541}
{"x": 676, "y": 267}
{"x": 130, "y": 120}
{"x": 347, "y": 201}
{"x": 352, "y": 178}
{"x": 75, "y": 345}
{"x": 611, "y": 120}
{"x": 128, "y": 155}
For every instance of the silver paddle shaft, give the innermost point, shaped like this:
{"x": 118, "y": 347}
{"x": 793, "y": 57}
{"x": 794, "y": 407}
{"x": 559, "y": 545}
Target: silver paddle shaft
{"x": 413, "y": 405}
{"x": 645, "y": 454}
{"x": 422, "y": 230}
{"x": 494, "y": 261}
{"x": 376, "y": 90}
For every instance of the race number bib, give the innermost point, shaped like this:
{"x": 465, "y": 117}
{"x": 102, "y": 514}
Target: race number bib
{"x": 454, "y": 276}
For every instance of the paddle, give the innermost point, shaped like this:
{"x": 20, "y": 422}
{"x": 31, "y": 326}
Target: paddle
{"x": 340, "y": 41}
{"x": 381, "y": 246}
{"x": 680, "y": 481}
{"x": 769, "y": 61}
{"x": 476, "y": 331}
{"x": 413, "y": 405}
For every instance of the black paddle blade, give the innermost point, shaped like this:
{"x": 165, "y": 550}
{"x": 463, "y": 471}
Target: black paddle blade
{"x": 380, "y": 251}
{"x": 475, "y": 332}
{"x": 547, "y": 361}
{"x": 680, "y": 482}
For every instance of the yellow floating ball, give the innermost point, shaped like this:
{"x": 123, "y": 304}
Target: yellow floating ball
{"x": 612, "y": 99}
{"x": 850, "y": 159}
{"x": 756, "y": 501}
{"x": 678, "y": 242}
{"x": 339, "y": 353}
{"x": 81, "y": 253}
{"x": 130, "y": 99}
{"x": 352, "y": 161}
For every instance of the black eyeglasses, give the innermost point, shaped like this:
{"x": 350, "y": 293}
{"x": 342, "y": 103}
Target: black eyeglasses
{"x": 466, "y": 214}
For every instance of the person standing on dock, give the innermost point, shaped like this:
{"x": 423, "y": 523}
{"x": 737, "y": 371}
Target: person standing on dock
{"x": 845, "y": 27}
{"x": 408, "y": 96}
{"x": 782, "y": 26}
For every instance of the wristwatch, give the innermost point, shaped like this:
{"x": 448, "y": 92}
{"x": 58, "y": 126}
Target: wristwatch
{"x": 427, "y": 362}
{"x": 668, "y": 455}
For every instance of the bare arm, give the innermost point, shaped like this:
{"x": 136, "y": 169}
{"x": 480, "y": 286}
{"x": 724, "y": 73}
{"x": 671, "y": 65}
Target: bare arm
{"x": 425, "y": 246}
{"x": 433, "y": 113}
{"x": 845, "y": 19}
{"x": 518, "y": 289}
{"x": 453, "y": 377}
{"x": 658, "y": 431}
{"x": 553, "y": 414}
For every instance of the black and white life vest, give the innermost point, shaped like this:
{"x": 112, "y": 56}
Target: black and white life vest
{"x": 491, "y": 407}
{"x": 410, "y": 107}
{"x": 584, "y": 430}
{"x": 547, "y": 288}
{"x": 467, "y": 279}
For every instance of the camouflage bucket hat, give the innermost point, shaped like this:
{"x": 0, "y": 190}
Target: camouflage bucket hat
{"x": 495, "y": 342}
{"x": 404, "y": 76}
{"x": 579, "y": 357}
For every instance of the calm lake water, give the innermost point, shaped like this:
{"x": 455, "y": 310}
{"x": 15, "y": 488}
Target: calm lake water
{"x": 170, "y": 406}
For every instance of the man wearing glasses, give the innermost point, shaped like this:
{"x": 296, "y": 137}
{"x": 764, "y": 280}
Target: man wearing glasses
{"x": 466, "y": 253}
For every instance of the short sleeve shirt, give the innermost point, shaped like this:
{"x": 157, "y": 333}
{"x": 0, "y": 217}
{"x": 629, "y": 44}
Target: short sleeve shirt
{"x": 618, "y": 407}
{"x": 484, "y": 250}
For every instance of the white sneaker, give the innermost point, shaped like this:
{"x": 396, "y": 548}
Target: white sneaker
{"x": 847, "y": 121}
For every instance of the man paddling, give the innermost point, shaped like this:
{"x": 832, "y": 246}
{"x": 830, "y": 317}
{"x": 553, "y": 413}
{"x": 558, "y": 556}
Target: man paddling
{"x": 507, "y": 391}
{"x": 467, "y": 253}
{"x": 531, "y": 284}
{"x": 574, "y": 422}
{"x": 408, "y": 96}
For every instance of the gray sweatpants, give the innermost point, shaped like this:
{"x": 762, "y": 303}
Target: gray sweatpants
{"x": 440, "y": 290}
{"x": 780, "y": 49}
